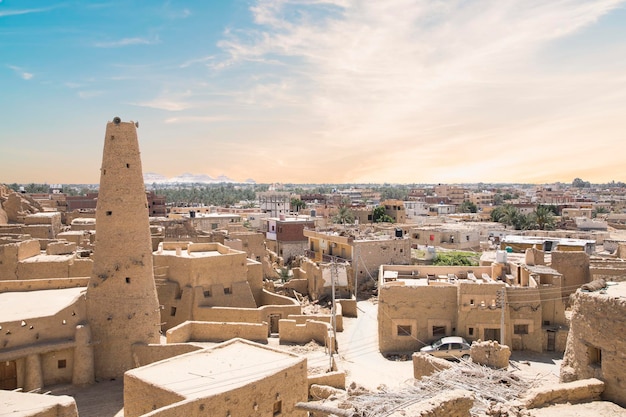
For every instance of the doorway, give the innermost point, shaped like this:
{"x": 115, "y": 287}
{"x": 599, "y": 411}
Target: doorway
{"x": 8, "y": 375}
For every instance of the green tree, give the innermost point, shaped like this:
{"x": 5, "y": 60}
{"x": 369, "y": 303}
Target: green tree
{"x": 379, "y": 215}
{"x": 344, "y": 216}
{"x": 297, "y": 204}
{"x": 543, "y": 218}
{"x": 467, "y": 207}
{"x": 599, "y": 210}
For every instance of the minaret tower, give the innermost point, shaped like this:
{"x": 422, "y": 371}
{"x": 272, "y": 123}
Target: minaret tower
{"x": 122, "y": 304}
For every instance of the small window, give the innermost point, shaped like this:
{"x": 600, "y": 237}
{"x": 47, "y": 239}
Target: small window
{"x": 472, "y": 302}
{"x": 127, "y": 165}
{"x": 278, "y": 406}
{"x": 439, "y": 331}
{"x": 62, "y": 363}
{"x": 109, "y": 213}
{"x": 207, "y": 293}
{"x": 594, "y": 355}
{"x": 403, "y": 330}
{"x": 227, "y": 290}
{"x": 128, "y": 280}
{"x": 470, "y": 331}
{"x": 546, "y": 322}
{"x": 173, "y": 311}
{"x": 520, "y": 329}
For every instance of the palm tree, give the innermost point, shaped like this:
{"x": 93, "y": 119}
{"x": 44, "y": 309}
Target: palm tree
{"x": 509, "y": 215}
{"x": 344, "y": 216}
{"x": 543, "y": 217}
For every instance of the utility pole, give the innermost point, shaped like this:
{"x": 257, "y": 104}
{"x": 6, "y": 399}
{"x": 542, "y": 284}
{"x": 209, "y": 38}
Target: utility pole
{"x": 502, "y": 303}
{"x": 355, "y": 263}
{"x": 331, "y": 349}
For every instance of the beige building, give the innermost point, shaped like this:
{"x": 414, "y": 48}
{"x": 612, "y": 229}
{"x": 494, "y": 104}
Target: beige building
{"x": 419, "y": 304}
{"x": 236, "y": 378}
{"x": 365, "y": 252}
{"x": 596, "y": 346}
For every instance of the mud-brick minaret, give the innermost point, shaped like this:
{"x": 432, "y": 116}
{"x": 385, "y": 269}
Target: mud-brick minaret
{"x": 122, "y": 304}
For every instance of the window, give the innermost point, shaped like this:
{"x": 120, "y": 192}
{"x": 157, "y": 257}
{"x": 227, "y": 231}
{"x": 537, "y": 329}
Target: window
{"x": 61, "y": 364}
{"x": 470, "y": 331}
{"x": 128, "y": 280}
{"x": 227, "y": 290}
{"x": 439, "y": 331}
{"x": 520, "y": 329}
{"x": 207, "y": 293}
{"x": 173, "y": 311}
{"x": 472, "y": 302}
{"x": 595, "y": 356}
{"x": 278, "y": 405}
{"x": 109, "y": 213}
{"x": 403, "y": 330}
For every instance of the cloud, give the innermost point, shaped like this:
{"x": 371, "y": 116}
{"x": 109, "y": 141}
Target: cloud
{"x": 4, "y": 13}
{"x": 196, "y": 61}
{"x": 169, "y": 101}
{"x": 19, "y": 71}
{"x": 196, "y": 119}
{"x": 126, "y": 42}
{"x": 407, "y": 83}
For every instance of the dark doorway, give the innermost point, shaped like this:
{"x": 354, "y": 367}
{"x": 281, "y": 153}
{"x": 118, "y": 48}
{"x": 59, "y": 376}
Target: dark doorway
{"x": 274, "y": 323}
{"x": 551, "y": 341}
{"x": 492, "y": 334}
{"x": 8, "y": 375}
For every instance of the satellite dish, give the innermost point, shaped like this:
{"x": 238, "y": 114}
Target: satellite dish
{"x": 117, "y": 120}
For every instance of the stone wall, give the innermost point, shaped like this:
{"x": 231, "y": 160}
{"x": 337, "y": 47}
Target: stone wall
{"x": 585, "y": 390}
{"x": 196, "y": 331}
{"x": 596, "y": 346}
{"x": 291, "y": 332}
{"x": 425, "y": 364}
{"x": 455, "y": 403}
{"x": 490, "y": 353}
{"x": 146, "y": 354}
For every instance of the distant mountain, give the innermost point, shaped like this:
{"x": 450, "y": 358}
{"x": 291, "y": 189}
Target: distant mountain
{"x": 188, "y": 178}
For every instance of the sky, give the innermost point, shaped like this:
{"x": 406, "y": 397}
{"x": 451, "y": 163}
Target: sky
{"x": 317, "y": 91}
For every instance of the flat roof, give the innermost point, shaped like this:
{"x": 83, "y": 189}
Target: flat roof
{"x": 616, "y": 289}
{"x": 15, "y": 306}
{"x": 194, "y": 254}
{"x": 212, "y": 371}
{"x": 48, "y": 258}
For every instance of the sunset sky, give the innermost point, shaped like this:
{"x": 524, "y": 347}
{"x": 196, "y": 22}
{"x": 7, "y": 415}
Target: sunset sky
{"x": 314, "y": 91}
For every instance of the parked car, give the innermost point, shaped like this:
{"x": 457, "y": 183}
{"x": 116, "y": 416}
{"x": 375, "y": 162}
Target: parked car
{"x": 450, "y": 347}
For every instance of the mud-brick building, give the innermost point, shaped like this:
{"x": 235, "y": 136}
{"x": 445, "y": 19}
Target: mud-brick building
{"x": 419, "y": 304}
{"x": 365, "y": 252}
{"x": 236, "y": 378}
{"x": 44, "y": 338}
{"x": 212, "y": 282}
{"x": 596, "y": 346}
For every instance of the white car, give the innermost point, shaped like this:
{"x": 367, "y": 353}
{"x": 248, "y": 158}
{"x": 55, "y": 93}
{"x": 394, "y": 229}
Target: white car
{"x": 450, "y": 347}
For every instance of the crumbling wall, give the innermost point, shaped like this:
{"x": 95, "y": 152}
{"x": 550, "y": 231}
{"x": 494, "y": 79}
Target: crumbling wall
{"x": 572, "y": 392}
{"x": 291, "y": 332}
{"x": 335, "y": 379}
{"x": 490, "y": 353}
{"x": 425, "y": 364}
{"x": 596, "y": 346}
{"x": 455, "y": 403}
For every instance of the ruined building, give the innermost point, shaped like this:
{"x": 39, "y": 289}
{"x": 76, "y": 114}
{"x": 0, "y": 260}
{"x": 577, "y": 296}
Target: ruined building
{"x": 122, "y": 305}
